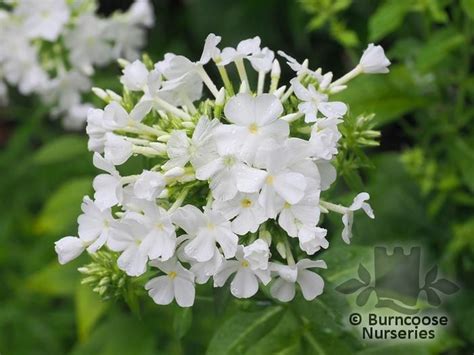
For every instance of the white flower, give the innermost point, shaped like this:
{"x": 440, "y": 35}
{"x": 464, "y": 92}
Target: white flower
{"x": 246, "y": 209}
{"x": 257, "y": 254}
{"x": 312, "y": 239}
{"x": 69, "y": 248}
{"x": 228, "y": 173}
{"x": 373, "y": 60}
{"x": 141, "y": 13}
{"x": 76, "y": 116}
{"x": 202, "y": 270}
{"x": 254, "y": 119}
{"x": 311, "y": 284}
{"x": 65, "y": 89}
{"x": 149, "y": 185}
{"x": 126, "y": 39}
{"x": 117, "y": 149}
{"x": 324, "y": 138}
{"x": 198, "y": 150}
{"x": 87, "y": 43}
{"x": 314, "y": 102}
{"x": 44, "y": 19}
{"x": 262, "y": 61}
{"x": 178, "y": 283}
{"x": 96, "y": 130}
{"x": 205, "y": 230}
{"x": 281, "y": 184}
{"x": 210, "y": 50}
{"x": 300, "y": 68}
{"x": 160, "y": 239}
{"x": 94, "y": 225}
{"x": 246, "y": 279}
{"x": 348, "y": 216}
{"x": 127, "y": 237}
{"x": 244, "y": 49}
{"x": 303, "y": 213}
{"x": 115, "y": 116}
{"x": 135, "y": 76}
{"x": 108, "y": 187}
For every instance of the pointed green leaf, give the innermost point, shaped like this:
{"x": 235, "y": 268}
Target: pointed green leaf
{"x": 241, "y": 331}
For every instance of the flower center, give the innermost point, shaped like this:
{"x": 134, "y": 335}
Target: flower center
{"x": 244, "y": 263}
{"x": 269, "y": 180}
{"x": 253, "y": 128}
{"x": 160, "y": 226}
{"x": 229, "y": 160}
{"x": 172, "y": 275}
{"x": 246, "y": 203}
{"x": 211, "y": 226}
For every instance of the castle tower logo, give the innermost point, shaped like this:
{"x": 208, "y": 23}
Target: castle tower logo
{"x": 397, "y": 281}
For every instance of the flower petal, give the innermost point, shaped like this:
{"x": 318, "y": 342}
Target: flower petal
{"x": 244, "y": 284}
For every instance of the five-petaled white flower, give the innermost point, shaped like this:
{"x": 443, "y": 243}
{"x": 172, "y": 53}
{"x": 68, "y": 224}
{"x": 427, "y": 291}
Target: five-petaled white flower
{"x": 246, "y": 209}
{"x": 254, "y": 119}
{"x": 205, "y": 230}
{"x": 314, "y": 102}
{"x": 311, "y": 284}
{"x": 246, "y": 279}
{"x": 178, "y": 283}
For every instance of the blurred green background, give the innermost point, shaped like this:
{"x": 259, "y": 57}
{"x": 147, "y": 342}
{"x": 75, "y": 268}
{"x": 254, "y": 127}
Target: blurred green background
{"x": 421, "y": 180}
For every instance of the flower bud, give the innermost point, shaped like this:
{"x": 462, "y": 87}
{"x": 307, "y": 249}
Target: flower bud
{"x": 373, "y": 60}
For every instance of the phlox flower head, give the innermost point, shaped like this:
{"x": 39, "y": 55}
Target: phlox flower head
{"x": 220, "y": 182}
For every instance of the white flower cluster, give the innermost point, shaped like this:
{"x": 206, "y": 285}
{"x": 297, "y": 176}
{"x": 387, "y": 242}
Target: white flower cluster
{"x": 233, "y": 184}
{"x": 51, "y": 47}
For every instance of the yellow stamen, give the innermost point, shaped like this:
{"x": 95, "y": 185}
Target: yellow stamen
{"x": 244, "y": 263}
{"x": 172, "y": 275}
{"x": 253, "y": 128}
{"x": 246, "y": 203}
{"x": 269, "y": 180}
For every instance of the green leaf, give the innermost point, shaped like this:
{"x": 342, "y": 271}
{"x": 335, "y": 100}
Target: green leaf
{"x": 343, "y": 262}
{"x": 468, "y": 7}
{"x": 285, "y": 338}
{"x": 183, "y": 318}
{"x": 63, "y": 207}
{"x": 89, "y": 309}
{"x": 61, "y": 150}
{"x": 55, "y": 279}
{"x": 324, "y": 331}
{"x": 387, "y": 18}
{"x": 438, "y": 47}
{"x": 242, "y": 330}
